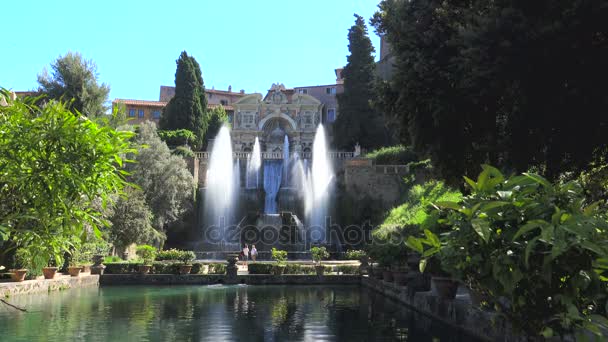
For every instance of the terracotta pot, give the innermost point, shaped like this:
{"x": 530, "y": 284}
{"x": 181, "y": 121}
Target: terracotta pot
{"x": 387, "y": 276}
{"x": 49, "y": 272}
{"x": 19, "y": 275}
{"x": 74, "y": 271}
{"x": 400, "y": 277}
{"x": 320, "y": 270}
{"x": 145, "y": 269}
{"x": 185, "y": 269}
{"x": 446, "y": 287}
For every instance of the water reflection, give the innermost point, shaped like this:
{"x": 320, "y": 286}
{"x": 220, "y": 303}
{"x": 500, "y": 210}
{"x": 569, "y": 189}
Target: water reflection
{"x": 217, "y": 313}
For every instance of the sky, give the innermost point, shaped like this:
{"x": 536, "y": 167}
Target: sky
{"x": 248, "y": 44}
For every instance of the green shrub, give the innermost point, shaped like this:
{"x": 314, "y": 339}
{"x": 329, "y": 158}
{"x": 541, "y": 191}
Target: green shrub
{"x": 165, "y": 267}
{"x": 177, "y": 137}
{"x": 217, "y": 268}
{"x": 112, "y": 259}
{"x": 279, "y": 256}
{"x": 299, "y": 269}
{"x": 531, "y": 242}
{"x": 347, "y": 269}
{"x": 147, "y": 253}
{"x": 354, "y": 254}
{"x": 187, "y": 256}
{"x": 318, "y": 254}
{"x": 393, "y": 155}
{"x": 260, "y": 268}
{"x": 168, "y": 254}
{"x": 120, "y": 268}
{"x": 197, "y": 268}
{"x": 183, "y": 151}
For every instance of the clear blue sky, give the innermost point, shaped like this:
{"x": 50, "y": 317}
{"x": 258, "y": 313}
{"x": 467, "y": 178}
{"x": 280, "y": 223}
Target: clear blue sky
{"x": 244, "y": 43}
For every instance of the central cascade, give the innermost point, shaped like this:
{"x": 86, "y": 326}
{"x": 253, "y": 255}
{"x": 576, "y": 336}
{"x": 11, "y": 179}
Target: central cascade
{"x": 284, "y": 182}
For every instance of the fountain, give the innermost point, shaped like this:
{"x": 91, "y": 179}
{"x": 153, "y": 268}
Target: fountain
{"x": 285, "y": 161}
{"x": 220, "y": 199}
{"x": 273, "y": 170}
{"x": 254, "y": 161}
{"x": 319, "y": 179}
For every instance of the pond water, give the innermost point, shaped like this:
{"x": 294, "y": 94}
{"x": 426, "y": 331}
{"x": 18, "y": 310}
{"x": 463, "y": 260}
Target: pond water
{"x": 217, "y": 313}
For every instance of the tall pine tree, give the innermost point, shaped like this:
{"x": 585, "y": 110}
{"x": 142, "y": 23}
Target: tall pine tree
{"x": 358, "y": 122}
{"x": 188, "y": 108}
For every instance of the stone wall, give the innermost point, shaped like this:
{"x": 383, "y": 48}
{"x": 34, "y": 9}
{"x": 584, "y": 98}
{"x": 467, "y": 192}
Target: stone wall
{"x": 61, "y": 282}
{"x": 379, "y": 182}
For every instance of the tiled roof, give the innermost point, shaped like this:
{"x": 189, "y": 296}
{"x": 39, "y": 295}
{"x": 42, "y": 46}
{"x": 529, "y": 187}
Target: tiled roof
{"x": 159, "y": 103}
{"x": 141, "y": 102}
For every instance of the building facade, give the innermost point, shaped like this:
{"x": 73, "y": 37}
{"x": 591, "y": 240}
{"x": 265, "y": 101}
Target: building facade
{"x": 282, "y": 113}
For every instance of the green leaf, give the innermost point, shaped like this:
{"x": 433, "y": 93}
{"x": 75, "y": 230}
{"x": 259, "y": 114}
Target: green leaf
{"x": 539, "y": 179}
{"x": 414, "y": 244}
{"x": 422, "y": 265}
{"x": 528, "y": 250}
{"x": 471, "y": 183}
{"x": 530, "y": 226}
{"x": 448, "y": 205}
{"x": 493, "y": 205}
{"x": 432, "y": 238}
{"x": 482, "y": 227}
{"x": 547, "y": 332}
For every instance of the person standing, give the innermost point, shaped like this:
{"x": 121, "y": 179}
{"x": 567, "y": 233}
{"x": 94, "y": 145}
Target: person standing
{"x": 254, "y": 253}
{"x": 245, "y": 254}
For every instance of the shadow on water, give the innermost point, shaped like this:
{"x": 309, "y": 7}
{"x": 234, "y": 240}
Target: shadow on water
{"x": 218, "y": 313}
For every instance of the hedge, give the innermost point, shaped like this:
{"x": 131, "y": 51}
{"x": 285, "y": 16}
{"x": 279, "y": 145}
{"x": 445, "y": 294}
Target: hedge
{"x": 163, "y": 267}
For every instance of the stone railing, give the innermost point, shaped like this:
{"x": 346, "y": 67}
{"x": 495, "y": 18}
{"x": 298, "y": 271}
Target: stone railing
{"x": 279, "y": 155}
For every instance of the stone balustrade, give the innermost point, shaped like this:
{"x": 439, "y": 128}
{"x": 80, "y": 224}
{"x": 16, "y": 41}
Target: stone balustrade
{"x": 278, "y": 155}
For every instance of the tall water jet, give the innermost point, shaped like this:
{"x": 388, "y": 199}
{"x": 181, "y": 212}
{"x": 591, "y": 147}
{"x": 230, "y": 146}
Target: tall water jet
{"x": 254, "y": 161}
{"x": 320, "y": 179}
{"x": 273, "y": 170}
{"x": 286, "y": 161}
{"x": 220, "y": 191}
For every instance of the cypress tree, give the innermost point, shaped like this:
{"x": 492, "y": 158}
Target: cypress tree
{"x": 188, "y": 108}
{"x": 357, "y": 121}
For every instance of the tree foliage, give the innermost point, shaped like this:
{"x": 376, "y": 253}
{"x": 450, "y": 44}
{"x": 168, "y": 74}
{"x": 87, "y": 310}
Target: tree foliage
{"x": 188, "y": 108}
{"x": 56, "y": 167}
{"x": 517, "y": 84}
{"x": 74, "y": 80}
{"x": 217, "y": 118}
{"x": 132, "y": 221}
{"x": 167, "y": 184}
{"x": 358, "y": 122}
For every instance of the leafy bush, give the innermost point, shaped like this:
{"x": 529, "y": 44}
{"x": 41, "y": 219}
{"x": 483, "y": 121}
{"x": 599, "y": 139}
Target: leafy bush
{"x": 393, "y": 155}
{"x": 66, "y": 163}
{"x": 299, "y": 269}
{"x": 197, "y": 268}
{"x": 183, "y": 151}
{"x": 112, "y": 259}
{"x": 531, "y": 242}
{"x": 147, "y": 253}
{"x": 260, "y": 268}
{"x": 217, "y": 268}
{"x": 355, "y": 254}
{"x": 169, "y": 254}
{"x": 318, "y": 254}
{"x": 347, "y": 269}
{"x": 120, "y": 268}
{"x": 177, "y": 137}
{"x": 279, "y": 256}
{"x": 187, "y": 256}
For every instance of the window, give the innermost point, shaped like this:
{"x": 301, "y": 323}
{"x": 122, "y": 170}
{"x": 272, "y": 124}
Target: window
{"x": 223, "y": 102}
{"x": 141, "y": 113}
{"x": 331, "y": 115}
{"x": 302, "y": 91}
{"x": 308, "y": 119}
{"x": 248, "y": 119}
{"x": 156, "y": 114}
{"x": 330, "y": 90}
{"x": 132, "y": 112}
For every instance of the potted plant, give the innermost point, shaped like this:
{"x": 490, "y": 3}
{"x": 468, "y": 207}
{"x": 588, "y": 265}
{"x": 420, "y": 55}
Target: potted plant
{"x": 147, "y": 253}
{"x": 362, "y": 257}
{"x": 318, "y": 254}
{"x": 73, "y": 268}
{"x": 281, "y": 258}
{"x": 186, "y": 257}
{"x": 51, "y": 269}
{"x": 22, "y": 258}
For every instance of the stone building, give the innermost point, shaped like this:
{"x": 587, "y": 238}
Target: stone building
{"x": 282, "y": 112}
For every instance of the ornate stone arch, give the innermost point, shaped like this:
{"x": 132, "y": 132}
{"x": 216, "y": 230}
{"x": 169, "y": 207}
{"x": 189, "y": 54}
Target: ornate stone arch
{"x": 292, "y": 124}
